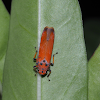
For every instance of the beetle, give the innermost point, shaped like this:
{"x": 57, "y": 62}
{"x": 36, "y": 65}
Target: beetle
{"x": 43, "y": 61}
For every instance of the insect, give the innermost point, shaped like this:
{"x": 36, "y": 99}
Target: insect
{"x": 43, "y": 61}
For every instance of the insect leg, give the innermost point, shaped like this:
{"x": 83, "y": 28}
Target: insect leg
{"x": 34, "y": 59}
{"x": 49, "y": 72}
{"x": 34, "y": 67}
{"x": 53, "y": 59}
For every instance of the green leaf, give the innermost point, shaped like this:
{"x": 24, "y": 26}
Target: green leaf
{"x": 19, "y": 81}
{"x": 0, "y": 91}
{"x": 69, "y": 73}
{"x": 4, "y": 30}
{"x": 94, "y": 76}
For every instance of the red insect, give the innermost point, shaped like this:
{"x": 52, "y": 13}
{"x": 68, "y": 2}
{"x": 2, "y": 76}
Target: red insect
{"x": 45, "y": 51}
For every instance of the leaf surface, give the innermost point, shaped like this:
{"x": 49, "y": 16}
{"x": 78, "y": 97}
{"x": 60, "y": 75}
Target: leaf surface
{"x": 19, "y": 81}
{"x": 94, "y": 76}
{"x": 4, "y": 30}
{"x": 69, "y": 73}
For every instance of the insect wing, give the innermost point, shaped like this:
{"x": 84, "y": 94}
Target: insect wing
{"x": 50, "y": 42}
{"x": 46, "y": 44}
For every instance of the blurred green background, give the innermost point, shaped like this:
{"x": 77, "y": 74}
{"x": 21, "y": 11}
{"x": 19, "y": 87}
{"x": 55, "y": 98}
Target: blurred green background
{"x": 92, "y": 35}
